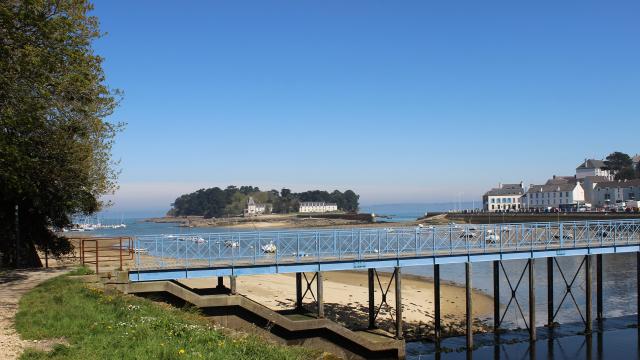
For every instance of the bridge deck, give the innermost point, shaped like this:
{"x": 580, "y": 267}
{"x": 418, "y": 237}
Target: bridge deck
{"x": 166, "y": 257}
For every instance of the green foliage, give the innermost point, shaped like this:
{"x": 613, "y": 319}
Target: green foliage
{"x": 621, "y": 164}
{"x": 81, "y": 270}
{"x": 102, "y": 326}
{"x": 215, "y": 202}
{"x": 55, "y": 146}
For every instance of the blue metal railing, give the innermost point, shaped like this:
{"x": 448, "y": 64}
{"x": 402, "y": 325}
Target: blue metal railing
{"x": 330, "y": 245}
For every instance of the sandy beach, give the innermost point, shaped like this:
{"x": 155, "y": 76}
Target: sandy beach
{"x": 346, "y": 300}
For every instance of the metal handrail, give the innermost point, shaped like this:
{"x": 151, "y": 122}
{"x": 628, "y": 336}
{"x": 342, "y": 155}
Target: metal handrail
{"x": 357, "y": 244}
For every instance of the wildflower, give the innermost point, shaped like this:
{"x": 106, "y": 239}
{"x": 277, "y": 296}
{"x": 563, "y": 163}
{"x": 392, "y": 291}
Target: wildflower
{"x": 181, "y": 351}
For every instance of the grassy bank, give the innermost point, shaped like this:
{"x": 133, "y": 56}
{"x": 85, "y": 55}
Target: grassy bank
{"x": 96, "y": 325}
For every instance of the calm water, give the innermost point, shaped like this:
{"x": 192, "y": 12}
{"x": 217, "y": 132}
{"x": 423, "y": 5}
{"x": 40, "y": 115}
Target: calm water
{"x": 619, "y": 291}
{"x": 614, "y": 344}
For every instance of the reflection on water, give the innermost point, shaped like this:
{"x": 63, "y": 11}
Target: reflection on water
{"x": 614, "y": 344}
{"x": 619, "y": 283}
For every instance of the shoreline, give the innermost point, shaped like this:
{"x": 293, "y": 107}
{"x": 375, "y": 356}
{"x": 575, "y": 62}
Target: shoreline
{"x": 289, "y": 221}
{"x": 346, "y": 300}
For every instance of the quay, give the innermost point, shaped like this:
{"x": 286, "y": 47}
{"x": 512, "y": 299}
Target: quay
{"x": 310, "y": 253}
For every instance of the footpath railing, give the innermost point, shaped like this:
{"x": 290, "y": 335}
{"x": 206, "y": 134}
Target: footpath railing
{"x": 303, "y": 246}
{"x": 101, "y": 251}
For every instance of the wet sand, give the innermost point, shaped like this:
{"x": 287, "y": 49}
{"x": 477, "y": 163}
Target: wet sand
{"x": 346, "y": 300}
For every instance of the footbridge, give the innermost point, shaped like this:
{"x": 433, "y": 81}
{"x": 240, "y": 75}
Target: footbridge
{"x": 232, "y": 254}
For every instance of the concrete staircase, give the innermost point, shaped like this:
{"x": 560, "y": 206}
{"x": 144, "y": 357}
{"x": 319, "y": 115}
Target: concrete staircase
{"x": 243, "y": 314}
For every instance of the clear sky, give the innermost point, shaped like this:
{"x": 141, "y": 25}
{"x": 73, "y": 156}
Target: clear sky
{"x": 410, "y": 101}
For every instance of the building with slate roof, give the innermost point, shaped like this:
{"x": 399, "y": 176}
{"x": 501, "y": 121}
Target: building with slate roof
{"x": 614, "y": 193}
{"x": 557, "y": 193}
{"x": 505, "y": 197}
{"x": 592, "y": 167}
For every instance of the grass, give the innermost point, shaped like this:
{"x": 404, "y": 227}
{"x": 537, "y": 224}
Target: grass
{"x": 113, "y": 326}
{"x": 81, "y": 270}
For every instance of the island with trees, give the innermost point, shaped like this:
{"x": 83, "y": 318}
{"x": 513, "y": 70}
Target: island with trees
{"x": 226, "y": 207}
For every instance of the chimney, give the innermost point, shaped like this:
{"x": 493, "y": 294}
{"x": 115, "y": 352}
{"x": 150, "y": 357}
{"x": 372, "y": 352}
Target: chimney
{"x": 554, "y": 177}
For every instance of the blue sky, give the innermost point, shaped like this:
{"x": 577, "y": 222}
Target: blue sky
{"x": 412, "y": 101}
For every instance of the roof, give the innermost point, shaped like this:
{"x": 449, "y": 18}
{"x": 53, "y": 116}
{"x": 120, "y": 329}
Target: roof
{"x": 556, "y": 180}
{"x": 504, "y": 192}
{"x": 567, "y": 186}
{"x": 591, "y": 164}
{"x": 597, "y": 179}
{"x": 251, "y": 201}
{"x": 636, "y": 159}
{"x": 618, "y": 184}
{"x": 316, "y": 203}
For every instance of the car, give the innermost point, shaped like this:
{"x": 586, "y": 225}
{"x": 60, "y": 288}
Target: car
{"x": 466, "y": 234}
{"x": 564, "y": 237}
{"x": 493, "y": 238}
{"x": 601, "y": 233}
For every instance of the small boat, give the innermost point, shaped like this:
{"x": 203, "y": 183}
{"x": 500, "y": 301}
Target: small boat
{"x": 192, "y": 238}
{"x": 269, "y": 248}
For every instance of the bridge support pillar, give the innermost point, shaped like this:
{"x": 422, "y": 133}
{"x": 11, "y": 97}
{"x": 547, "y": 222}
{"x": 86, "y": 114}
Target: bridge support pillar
{"x": 398, "y": 303}
{"x": 437, "y": 326}
{"x": 320, "y": 294}
{"x": 599, "y": 294}
{"x": 469, "y": 312}
{"x": 220, "y": 282}
{"x": 587, "y": 277}
{"x": 232, "y": 284}
{"x": 298, "y": 291}
{"x": 496, "y": 296}
{"x": 550, "y": 307}
{"x": 532, "y": 300}
{"x": 372, "y": 299}
{"x": 638, "y": 283}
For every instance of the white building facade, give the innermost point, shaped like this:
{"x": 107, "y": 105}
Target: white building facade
{"x": 612, "y": 193}
{"x": 253, "y": 208}
{"x": 592, "y": 167}
{"x": 317, "y": 207}
{"x": 505, "y": 197}
{"x": 564, "y": 195}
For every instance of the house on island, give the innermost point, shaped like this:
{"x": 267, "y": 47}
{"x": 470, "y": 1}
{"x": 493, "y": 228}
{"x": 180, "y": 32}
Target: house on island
{"x": 253, "y": 208}
{"x": 505, "y": 197}
{"x": 317, "y": 207}
{"x": 559, "y": 192}
{"x": 592, "y": 167}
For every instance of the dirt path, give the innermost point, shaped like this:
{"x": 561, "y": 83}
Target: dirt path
{"x": 13, "y": 284}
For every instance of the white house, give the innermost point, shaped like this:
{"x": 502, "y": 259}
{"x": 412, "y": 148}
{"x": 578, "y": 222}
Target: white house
{"x": 317, "y": 207}
{"x": 559, "y": 192}
{"x": 592, "y": 167}
{"x": 505, "y": 197}
{"x": 615, "y": 192}
{"x": 253, "y": 208}
{"x": 589, "y": 184}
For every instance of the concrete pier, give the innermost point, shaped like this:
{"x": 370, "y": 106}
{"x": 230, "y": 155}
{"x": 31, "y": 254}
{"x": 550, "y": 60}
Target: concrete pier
{"x": 469, "y": 310}
{"x": 399, "y": 334}
{"x": 437, "y": 326}
{"x": 320, "y": 294}
{"x": 532, "y": 300}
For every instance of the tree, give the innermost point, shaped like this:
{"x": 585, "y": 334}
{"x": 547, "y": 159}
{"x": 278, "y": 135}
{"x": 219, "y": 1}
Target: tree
{"x": 619, "y": 164}
{"x": 638, "y": 170}
{"x": 55, "y": 144}
{"x": 626, "y": 173}
{"x": 351, "y": 201}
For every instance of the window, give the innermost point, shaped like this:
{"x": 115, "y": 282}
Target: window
{"x": 567, "y": 194}
{"x": 493, "y": 201}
